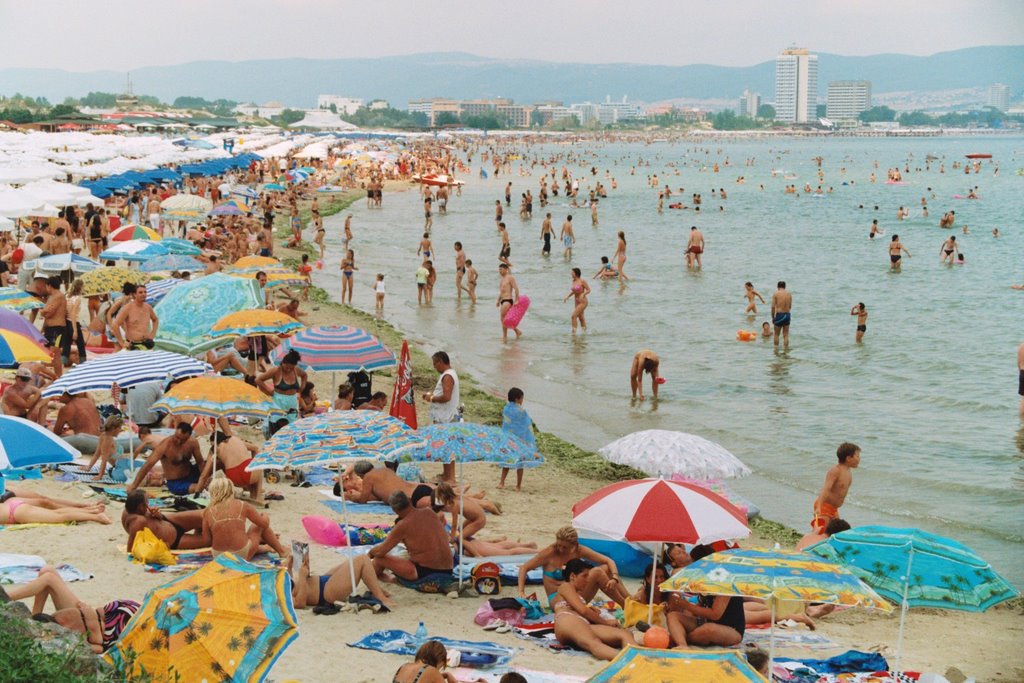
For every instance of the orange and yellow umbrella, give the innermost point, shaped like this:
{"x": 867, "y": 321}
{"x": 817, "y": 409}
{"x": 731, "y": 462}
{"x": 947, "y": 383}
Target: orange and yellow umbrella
{"x": 250, "y": 261}
{"x": 257, "y": 322}
{"x": 228, "y": 620}
{"x": 216, "y": 396}
{"x": 641, "y": 664}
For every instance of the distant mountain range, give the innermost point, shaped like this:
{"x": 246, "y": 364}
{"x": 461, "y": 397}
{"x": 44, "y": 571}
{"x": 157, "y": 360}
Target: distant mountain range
{"x": 297, "y": 82}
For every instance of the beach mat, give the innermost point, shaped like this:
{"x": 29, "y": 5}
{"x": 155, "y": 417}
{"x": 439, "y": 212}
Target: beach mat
{"x": 31, "y": 525}
{"x": 508, "y": 568}
{"x": 786, "y": 638}
{"x": 85, "y": 476}
{"x": 334, "y": 504}
{"x": 190, "y": 560}
{"x": 10, "y": 574}
{"x": 474, "y": 653}
{"x": 468, "y": 675}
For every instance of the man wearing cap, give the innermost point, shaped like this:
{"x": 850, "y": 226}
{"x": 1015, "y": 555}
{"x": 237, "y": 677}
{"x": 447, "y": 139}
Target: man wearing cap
{"x": 24, "y": 400}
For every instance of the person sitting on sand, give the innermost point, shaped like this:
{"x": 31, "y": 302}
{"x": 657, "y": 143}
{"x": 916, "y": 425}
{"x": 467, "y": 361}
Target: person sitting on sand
{"x": 425, "y": 539}
{"x": 15, "y": 509}
{"x": 22, "y": 399}
{"x": 713, "y": 620}
{"x": 179, "y": 530}
{"x": 224, "y": 523}
{"x": 102, "y": 626}
{"x": 604, "y": 576}
{"x": 312, "y": 590}
{"x": 576, "y": 623}
{"x": 426, "y": 668}
{"x": 107, "y": 449}
{"x": 181, "y": 459}
{"x": 233, "y": 456}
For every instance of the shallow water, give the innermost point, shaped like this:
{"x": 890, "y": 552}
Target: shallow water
{"x": 930, "y": 395}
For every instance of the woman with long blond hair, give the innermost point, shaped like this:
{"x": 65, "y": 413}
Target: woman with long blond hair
{"x": 225, "y": 522}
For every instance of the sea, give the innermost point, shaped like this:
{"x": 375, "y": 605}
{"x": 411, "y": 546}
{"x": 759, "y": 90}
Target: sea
{"x": 930, "y": 395}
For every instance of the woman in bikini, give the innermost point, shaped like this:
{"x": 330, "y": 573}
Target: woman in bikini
{"x": 312, "y": 590}
{"x": 225, "y": 524}
{"x": 348, "y": 267}
{"x": 15, "y": 509}
{"x": 620, "y": 255}
{"x": 579, "y": 290}
{"x": 288, "y": 380}
{"x": 576, "y": 623}
{"x": 426, "y": 668}
{"x": 604, "y": 576}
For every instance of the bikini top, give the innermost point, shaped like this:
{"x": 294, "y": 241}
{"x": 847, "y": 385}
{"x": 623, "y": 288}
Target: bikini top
{"x": 287, "y": 386}
{"x": 418, "y": 674}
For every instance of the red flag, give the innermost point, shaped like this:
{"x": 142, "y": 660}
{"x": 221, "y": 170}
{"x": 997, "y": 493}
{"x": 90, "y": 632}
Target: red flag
{"x": 403, "y": 399}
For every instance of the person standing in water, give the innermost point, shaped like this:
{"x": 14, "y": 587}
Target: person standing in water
{"x": 348, "y": 267}
{"x": 782, "y": 305}
{"x": 460, "y": 270}
{"x": 508, "y": 294}
{"x": 861, "y": 311}
{"x": 579, "y": 290}
{"x": 694, "y": 248}
{"x": 620, "y": 255}
{"x": 644, "y": 361}
{"x": 750, "y": 293}
{"x": 567, "y": 237}
{"x": 896, "y": 249}
{"x": 949, "y": 250}
{"x": 546, "y": 233}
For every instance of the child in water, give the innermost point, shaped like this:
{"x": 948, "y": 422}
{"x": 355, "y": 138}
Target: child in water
{"x": 766, "y": 330}
{"x": 379, "y": 291}
{"x": 750, "y": 294}
{"x": 607, "y": 270}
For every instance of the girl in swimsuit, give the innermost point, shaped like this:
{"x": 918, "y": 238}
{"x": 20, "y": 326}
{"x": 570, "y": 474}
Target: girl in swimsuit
{"x": 576, "y": 623}
{"x": 426, "y": 668}
{"x": 348, "y": 267}
{"x": 310, "y": 590}
{"x": 224, "y": 521}
{"x": 288, "y": 379}
{"x": 579, "y": 290}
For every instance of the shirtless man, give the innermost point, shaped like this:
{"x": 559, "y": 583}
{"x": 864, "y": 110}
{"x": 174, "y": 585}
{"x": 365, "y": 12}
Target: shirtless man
{"x": 782, "y": 305}
{"x": 949, "y": 250}
{"x": 136, "y": 323}
{"x": 182, "y": 462}
{"x": 425, "y": 541}
{"x": 233, "y": 455}
{"x": 604, "y": 576}
{"x": 506, "y": 246}
{"x": 380, "y": 483}
{"x": 546, "y": 234}
{"x": 55, "y": 318}
{"x": 694, "y": 248}
{"x": 79, "y": 415}
{"x": 460, "y": 270}
{"x": 508, "y": 294}
{"x": 170, "y": 527}
{"x": 59, "y": 243}
{"x": 471, "y": 278}
{"x": 837, "y": 485}
{"x": 1020, "y": 372}
{"x": 861, "y": 311}
{"x": 21, "y": 399}
{"x": 644, "y": 361}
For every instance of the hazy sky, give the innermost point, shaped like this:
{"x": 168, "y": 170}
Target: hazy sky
{"x": 83, "y": 35}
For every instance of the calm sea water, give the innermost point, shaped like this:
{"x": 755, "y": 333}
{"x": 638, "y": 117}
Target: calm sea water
{"x": 930, "y": 395}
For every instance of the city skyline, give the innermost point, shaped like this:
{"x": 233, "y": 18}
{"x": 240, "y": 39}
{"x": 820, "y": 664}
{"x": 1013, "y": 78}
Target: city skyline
{"x": 661, "y": 33}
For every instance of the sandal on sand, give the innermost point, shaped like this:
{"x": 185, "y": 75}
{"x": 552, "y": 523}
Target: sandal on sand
{"x": 273, "y": 496}
{"x": 326, "y": 609}
{"x": 494, "y": 624}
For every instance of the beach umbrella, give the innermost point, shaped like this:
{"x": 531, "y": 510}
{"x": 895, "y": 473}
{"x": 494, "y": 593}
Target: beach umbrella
{"x": 663, "y": 453}
{"x": 6, "y": 224}
{"x": 244, "y": 191}
{"x": 17, "y": 348}
{"x": 914, "y": 568}
{"x": 185, "y": 207}
{"x": 190, "y": 309}
{"x": 133, "y": 232}
{"x": 249, "y": 261}
{"x": 274, "y": 187}
{"x": 659, "y": 511}
{"x": 215, "y": 396}
{"x": 176, "y": 245}
{"x": 126, "y": 369}
{"x": 296, "y": 175}
{"x": 338, "y": 348}
{"x": 24, "y": 443}
{"x": 158, "y": 289}
{"x": 774, "y": 575}
{"x": 15, "y": 299}
{"x": 641, "y": 665}
{"x": 110, "y": 279}
{"x": 172, "y": 262}
{"x": 257, "y": 322}
{"x": 13, "y": 322}
{"x": 277, "y": 276}
{"x": 58, "y": 263}
{"x": 133, "y": 250}
{"x": 227, "y": 621}
{"x": 230, "y": 208}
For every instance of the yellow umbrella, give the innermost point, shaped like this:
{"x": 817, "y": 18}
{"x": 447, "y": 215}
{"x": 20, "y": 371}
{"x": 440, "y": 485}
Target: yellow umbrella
{"x": 216, "y": 396}
{"x": 641, "y": 665}
{"x": 17, "y": 348}
{"x": 249, "y": 261}
{"x": 110, "y": 279}
{"x": 277, "y": 276}
{"x": 257, "y": 322}
{"x": 228, "y": 621}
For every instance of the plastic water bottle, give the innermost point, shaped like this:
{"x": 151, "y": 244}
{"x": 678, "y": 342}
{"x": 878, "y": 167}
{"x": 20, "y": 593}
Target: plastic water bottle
{"x": 421, "y": 633}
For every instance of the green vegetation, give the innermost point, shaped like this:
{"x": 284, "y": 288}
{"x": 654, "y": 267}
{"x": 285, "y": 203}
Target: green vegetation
{"x": 219, "y": 107}
{"x": 288, "y": 117}
{"x": 727, "y": 120}
{"x": 877, "y": 114}
{"x": 387, "y": 118}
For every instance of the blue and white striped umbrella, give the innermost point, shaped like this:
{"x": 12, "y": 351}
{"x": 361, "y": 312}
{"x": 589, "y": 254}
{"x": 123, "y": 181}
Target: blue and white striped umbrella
{"x": 126, "y": 369}
{"x": 172, "y": 262}
{"x": 24, "y": 443}
{"x": 158, "y": 289}
{"x": 58, "y": 263}
{"x": 133, "y": 250}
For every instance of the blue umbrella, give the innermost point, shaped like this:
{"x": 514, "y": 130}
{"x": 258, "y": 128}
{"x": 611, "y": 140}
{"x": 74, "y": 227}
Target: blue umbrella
{"x": 189, "y": 311}
{"x": 158, "y": 289}
{"x": 172, "y": 262}
{"x": 275, "y": 187}
{"x": 133, "y": 250}
{"x": 176, "y": 245}
{"x": 467, "y": 442}
{"x": 57, "y": 263}
{"x": 917, "y": 569}
{"x": 24, "y": 443}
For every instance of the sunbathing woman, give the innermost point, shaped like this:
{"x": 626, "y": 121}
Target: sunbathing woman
{"x": 578, "y": 624}
{"x": 39, "y": 510}
{"x": 479, "y": 547}
{"x": 310, "y": 590}
{"x": 101, "y": 625}
{"x": 224, "y": 524}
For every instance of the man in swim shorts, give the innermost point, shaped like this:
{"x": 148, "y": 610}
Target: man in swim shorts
{"x": 182, "y": 462}
{"x": 425, "y": 539}
{"x": 1020, "y": 380}
{"x": 233, "y": 455}
{"x": 837, "y": 485}
{"x": 782, "y": 303}
{"x": 694, "y": 248}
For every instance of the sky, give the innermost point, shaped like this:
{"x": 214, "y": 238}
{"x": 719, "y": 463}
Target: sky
{"x": 87, "y": 35}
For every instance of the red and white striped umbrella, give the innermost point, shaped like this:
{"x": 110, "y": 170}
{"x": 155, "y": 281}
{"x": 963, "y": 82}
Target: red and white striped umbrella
{"x": 659, "y": 511}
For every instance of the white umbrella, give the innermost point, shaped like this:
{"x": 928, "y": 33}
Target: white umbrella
{"x": 6, "y": 224}
{"x": 662, "y": 453}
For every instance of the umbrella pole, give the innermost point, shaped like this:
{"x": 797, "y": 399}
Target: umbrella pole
{"x": 131, "y": 443}
{"x": 654, "y": 569}
{"x": 903, "y": 608}
{"x": 462, "y": 495}
{"x": 348, "y": 544}
{"x": 771, "y": 638}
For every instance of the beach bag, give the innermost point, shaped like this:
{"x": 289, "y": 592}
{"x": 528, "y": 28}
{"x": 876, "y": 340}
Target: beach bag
{"x": 638, "y": 611}
{"x": 149, "y": 549}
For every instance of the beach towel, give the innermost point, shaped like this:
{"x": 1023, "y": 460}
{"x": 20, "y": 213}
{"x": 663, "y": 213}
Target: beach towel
{"x": 440, "y": 582}
{"x": 472, "y": 675}
{"x": 357, "y": 508}
{"x": 474, "y": 653}
{"x": 851, "y": 661}
{"x": 190, "y": 560}
{"x": 31, "y": 525}
{"x": 810, "y": 640}
{"x": 508, "y": 568}
{"x": 16, "y": 568}
{"x": 83, "y": 475}
{"x": 542, "y": 634}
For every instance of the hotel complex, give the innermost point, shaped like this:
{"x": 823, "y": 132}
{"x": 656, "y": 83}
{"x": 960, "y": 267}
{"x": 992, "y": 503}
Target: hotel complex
{"x": 796, "y": 86}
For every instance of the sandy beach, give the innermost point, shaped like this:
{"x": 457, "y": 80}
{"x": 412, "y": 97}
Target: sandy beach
{"x": 984, "y": 646}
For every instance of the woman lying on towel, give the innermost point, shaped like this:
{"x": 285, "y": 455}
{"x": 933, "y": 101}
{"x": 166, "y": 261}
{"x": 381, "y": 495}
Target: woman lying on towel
{"x": 479, "y": 547}
{"x": 102, "y": 626}
{"x": 30, "y": 508}
{"x": 578, "y": 624}
{"x": 311, "y": 590}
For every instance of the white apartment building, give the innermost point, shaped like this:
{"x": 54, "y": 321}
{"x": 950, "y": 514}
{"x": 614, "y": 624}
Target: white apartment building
{"x": 847, "y": 99}
{"x": 750, "y": 102}
{"x": 999, "y": 96}
{"x": 796, "y": 85}
{"x": 344, "y": 105}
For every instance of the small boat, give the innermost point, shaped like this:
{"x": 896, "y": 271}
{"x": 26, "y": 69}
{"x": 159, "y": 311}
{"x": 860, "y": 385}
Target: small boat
{"x": 978, "y": 155}
{"x": 436, "y": 179}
